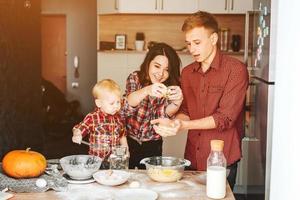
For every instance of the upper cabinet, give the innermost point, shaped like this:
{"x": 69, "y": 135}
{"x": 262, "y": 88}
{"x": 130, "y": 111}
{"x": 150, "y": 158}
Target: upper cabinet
{"x": 226, "y": 6}
{"x": 178, "y": 6}
{"x": 147, "y": 6}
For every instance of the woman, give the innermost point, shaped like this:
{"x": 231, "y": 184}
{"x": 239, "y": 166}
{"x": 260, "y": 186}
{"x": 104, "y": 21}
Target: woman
{"x": 152, "y": 92}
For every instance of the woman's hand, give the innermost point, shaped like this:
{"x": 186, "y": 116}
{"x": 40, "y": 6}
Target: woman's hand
{"x": 157, "y": 90}
{"x": 175, "y": 95}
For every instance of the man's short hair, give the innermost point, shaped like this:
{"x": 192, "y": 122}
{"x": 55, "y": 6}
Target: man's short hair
{"x": 200, "y": 19}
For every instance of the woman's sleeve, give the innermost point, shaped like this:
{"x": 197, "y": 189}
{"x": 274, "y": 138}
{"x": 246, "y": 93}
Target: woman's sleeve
{"x": 131, "y": 83}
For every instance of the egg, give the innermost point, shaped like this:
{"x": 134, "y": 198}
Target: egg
{"x": 134, "y": 184}
{"x": 40, "y": 182}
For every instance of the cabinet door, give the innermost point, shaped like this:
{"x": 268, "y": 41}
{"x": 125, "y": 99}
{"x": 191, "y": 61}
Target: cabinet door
{"x": 214, "y": 6}
{"x": 178, "y": 6}
{"x": 225, "y": 6}
{"x": 240, "y": 6}
{"x": 112, "y": 66}
{"x": 138, "y": 6}
{"x": 127, "y": 6}
{"x": 106, "y": 6}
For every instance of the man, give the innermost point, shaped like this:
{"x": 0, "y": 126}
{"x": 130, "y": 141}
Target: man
{"x": 214, "y": 89}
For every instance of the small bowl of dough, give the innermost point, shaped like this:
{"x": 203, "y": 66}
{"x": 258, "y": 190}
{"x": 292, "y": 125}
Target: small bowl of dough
{"x": 165, "y": 169}
{"x": 80, "y": 167}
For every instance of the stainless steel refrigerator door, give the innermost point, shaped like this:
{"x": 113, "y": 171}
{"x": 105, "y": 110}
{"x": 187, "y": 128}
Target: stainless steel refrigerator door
{"x": 255, "y": 161}
{"x": 257, "y": 41}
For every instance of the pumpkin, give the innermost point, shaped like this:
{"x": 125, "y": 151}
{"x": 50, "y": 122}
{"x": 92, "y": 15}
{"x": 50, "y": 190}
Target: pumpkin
{"x": 24, "y": 163}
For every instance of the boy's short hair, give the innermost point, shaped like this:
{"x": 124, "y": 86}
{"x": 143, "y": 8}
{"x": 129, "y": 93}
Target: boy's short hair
{"x": 106, "y": 85}
{"x": 200, "y": 19}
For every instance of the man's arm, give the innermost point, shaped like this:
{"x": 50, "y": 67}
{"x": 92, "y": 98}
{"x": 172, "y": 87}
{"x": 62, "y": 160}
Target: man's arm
{"x": 202, "y": 124}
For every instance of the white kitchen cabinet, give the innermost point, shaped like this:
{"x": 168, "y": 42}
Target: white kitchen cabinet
{"x": 147, "y": 6}
{"x": 178, "y": 6}
{"x": 226, "y": 6}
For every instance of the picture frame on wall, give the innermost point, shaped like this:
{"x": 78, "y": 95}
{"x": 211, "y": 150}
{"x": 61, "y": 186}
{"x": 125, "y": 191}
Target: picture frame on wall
{"x": 120, "y": 41}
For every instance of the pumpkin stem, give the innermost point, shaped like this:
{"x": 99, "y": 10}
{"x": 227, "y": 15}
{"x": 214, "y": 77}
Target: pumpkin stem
{"x": 27, "y": 149}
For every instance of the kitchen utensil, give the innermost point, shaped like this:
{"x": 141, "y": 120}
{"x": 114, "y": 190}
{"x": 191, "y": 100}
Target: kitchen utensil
{"x": 165, "y": 169}
{"x": 86, "y": 143}
{"x": 80, "y": 167}
{"x": 118, "y": 177}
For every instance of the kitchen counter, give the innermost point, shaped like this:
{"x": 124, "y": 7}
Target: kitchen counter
{"x": 191, "y": 186}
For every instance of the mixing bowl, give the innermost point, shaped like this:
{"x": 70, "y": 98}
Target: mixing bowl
{"x": 165, "y": 169}
{"x": 80, "y": 167}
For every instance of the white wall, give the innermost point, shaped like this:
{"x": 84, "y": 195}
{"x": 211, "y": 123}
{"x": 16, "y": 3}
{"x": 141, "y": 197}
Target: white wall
{"x": 285, "y": 163}
{"x": 81, "y": 41}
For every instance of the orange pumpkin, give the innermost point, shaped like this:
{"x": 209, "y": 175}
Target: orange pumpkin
{"x": 24, "y": 163}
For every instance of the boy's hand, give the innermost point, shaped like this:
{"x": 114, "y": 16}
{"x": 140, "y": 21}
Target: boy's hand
{"x": 77, "y": 137}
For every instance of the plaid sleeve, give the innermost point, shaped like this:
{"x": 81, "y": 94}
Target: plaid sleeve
{"x": 132, "y": 83}
{"x": 126, "y": 109}
{"x": 85, "y": 126}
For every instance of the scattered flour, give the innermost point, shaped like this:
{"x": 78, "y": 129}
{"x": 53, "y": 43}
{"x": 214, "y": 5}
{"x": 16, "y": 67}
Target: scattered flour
{"x": 87, "y": 192}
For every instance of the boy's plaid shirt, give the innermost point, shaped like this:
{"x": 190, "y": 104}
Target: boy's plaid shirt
{"x": 103, "y": 130}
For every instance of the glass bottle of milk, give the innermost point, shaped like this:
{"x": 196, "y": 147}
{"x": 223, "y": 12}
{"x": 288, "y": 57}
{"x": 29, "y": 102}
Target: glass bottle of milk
{"x": 216, "y": 171}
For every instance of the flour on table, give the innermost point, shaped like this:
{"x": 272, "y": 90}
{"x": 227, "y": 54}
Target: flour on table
{"x": 86, "y": 192}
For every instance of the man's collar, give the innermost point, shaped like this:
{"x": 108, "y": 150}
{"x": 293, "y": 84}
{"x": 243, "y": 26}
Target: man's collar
{"x": 214, "y": 64}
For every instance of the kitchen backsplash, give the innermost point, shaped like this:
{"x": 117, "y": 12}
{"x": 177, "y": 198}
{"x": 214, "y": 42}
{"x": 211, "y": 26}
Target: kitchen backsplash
{"x": 166, "y": 28}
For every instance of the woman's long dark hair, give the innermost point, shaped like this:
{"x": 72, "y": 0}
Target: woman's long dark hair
{"x": 173, "y": 68}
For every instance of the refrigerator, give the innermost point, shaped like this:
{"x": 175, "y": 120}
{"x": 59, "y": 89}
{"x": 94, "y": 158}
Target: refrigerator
{"x": 256, "y": 145}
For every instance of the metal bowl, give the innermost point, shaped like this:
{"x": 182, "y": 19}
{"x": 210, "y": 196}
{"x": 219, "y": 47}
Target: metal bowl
{"x": 80, "y": 167}
{"x": 165, "y": 169}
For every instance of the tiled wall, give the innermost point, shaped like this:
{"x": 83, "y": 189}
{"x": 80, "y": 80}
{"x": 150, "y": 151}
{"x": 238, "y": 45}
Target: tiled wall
{"x": 166, "y": 28}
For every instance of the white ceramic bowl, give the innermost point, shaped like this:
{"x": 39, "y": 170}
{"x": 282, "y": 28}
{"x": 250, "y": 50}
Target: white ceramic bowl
{"x": 80, "y": 167}
{"x": 111, "y": 178}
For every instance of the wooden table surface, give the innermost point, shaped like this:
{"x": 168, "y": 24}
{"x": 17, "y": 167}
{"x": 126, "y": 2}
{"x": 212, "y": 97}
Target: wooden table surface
{"x": 191, "y": 186}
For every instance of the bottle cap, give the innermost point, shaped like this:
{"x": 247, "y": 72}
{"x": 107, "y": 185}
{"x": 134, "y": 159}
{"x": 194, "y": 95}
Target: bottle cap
{"x": 216, "y": 145}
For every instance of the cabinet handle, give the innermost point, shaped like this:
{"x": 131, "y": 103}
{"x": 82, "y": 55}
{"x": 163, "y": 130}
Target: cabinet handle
{"x": 225, "y": 4}
{"x": 117, "y": 4}
{"x": 156, "y": 5}
{"x": 232, "y": 2}
{"x": 162, "y": 4}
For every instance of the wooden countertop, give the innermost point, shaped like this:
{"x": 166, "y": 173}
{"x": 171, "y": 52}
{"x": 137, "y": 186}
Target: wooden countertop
{"x": 191, "y": 186}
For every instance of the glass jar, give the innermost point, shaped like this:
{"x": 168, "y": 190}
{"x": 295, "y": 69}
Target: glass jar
{"x": 216, "y": 171}
{"x": 119, "y": 159}
{"x": 224, "y": 39}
